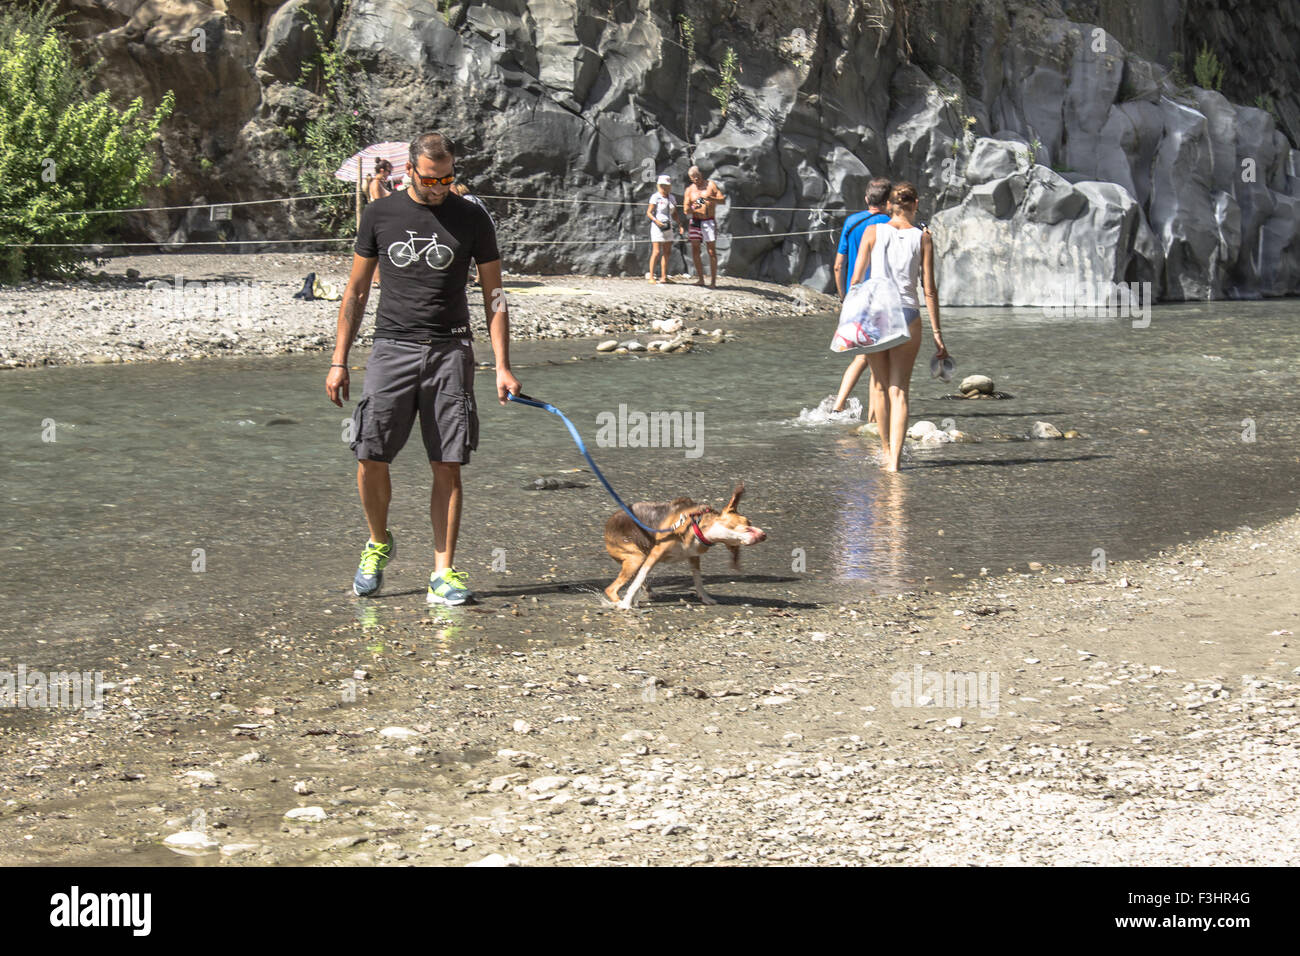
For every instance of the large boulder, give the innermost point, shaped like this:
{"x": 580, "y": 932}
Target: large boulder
{"x": 1060, "y": 237}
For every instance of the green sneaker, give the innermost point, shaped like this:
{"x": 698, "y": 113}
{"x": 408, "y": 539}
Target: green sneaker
{"x": 449, "y": 587}
{"x": 370, "y": 573}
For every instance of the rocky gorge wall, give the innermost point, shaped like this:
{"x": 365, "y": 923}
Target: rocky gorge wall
{"x": 1048, "y": 143}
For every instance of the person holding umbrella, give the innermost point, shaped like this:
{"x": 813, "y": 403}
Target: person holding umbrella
{"x": 422, "y": 240}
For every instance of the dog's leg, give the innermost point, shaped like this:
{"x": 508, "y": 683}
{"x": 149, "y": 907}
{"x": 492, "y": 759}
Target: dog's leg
{"x": 657, "y": 552}
{"x": 630, "y": 566}
{"x": 699, "y": 583}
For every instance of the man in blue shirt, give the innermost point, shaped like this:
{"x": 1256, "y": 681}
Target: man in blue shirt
{"x": 851, "y": 238}
{"x": 845, "y": 257}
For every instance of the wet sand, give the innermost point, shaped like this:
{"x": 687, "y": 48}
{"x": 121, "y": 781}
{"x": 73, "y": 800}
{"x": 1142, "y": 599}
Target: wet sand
{"x": 1145, "y": 715}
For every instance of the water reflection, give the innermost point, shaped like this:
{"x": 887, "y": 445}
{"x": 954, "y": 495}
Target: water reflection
{"x": 870, "y": 532}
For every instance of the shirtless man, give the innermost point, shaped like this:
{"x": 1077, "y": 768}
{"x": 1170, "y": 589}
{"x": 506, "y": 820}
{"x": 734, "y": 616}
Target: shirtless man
{"x": 702, "y": 198}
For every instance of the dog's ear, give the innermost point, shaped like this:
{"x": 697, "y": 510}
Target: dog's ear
{"x": 735, "y": 554}
{"x": 735, "y": 498}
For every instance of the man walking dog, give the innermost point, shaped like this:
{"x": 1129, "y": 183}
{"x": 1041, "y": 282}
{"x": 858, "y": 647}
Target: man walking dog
{"x": 422, "y": 240}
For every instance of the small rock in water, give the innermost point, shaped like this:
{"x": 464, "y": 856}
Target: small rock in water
{"x": 977, "y": 383}
{"x": 870, "y": 430}
{"x": 190, "y": 841}
{"x": 667, "y": 326}
{"x": 1045, "y": 430}
{"x": 1035, "y": 566}
{"x": 922, "y": 429}
{"x": 306, "y": 814}
{"x": 959, "y": 436}
{"x": 607, "y": 346}
{"x": 632, "y": 345}
{"x": 1070, "y": 433}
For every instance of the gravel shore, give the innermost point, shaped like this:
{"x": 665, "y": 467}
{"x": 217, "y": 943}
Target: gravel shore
{"x": 172, "y": 308}
{"x": 1142, "y": 715}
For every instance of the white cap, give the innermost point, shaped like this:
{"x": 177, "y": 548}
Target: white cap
{"x": 665, "y": 180}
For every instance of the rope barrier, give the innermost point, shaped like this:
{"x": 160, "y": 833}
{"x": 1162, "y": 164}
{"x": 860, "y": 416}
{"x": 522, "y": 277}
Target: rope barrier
{"x": 554, "y": 199}
{"x": 202, "y": 205}
{"x": 267, "y": 242}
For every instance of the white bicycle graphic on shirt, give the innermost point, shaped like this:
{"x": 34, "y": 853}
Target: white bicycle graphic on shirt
{"x": 435, "y": 253}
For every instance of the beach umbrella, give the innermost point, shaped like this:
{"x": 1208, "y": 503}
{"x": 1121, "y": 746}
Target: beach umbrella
{"x": 364, "y": 161}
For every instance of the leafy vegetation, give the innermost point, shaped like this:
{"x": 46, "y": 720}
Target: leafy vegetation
{"x": 726, "y": 88}
{"x": 335, "y": 133}
{"x": 62, "y": 150}
{"x": 1208, "y": 70}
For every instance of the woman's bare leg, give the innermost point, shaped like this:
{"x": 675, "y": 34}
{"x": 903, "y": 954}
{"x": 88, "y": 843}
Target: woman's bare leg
{"x": 900, "y": 379}
{"x": 880, "y": 364}
{"x": 654, "y": 258}
{"x": 850, "y": 379}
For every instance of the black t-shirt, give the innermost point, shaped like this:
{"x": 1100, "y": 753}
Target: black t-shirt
{"x": 422, "y": 283}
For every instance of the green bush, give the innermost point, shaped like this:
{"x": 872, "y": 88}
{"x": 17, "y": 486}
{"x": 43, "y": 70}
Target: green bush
{"x": 62, "y": 150}
{"x": 334, "y": 134}
{"x": 726, "y": 89}
{"x": 1207, "y": 69}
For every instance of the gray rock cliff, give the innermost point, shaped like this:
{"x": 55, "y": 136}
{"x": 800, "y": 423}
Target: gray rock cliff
{"x": 1047, "y": 139}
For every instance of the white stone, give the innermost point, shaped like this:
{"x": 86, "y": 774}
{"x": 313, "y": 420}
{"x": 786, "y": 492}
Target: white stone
{"x": 190, "y": 840}
{"x": 977, "y": 383}
{"x": 306, "y": 814}
{"x": 1045, "y": 430}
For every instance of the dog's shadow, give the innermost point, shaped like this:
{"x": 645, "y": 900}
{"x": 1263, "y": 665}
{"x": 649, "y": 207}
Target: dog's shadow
{"x": 667, "y": 590}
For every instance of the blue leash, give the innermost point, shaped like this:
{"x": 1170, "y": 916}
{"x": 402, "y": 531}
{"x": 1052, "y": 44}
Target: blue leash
{"x": 546, "y": 406}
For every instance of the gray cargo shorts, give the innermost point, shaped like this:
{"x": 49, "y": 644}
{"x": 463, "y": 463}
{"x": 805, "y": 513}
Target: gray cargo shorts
{"x": 434, "y": 379}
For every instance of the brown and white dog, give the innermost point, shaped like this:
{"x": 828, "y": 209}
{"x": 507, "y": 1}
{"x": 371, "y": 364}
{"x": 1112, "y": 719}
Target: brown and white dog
{"x": 693, "y": 530}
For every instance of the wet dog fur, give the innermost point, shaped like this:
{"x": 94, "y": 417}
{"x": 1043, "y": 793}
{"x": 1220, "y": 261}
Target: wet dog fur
{"x": 638, "y": 552}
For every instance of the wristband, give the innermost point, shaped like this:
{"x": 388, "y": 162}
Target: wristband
{"x": 337, "y": 365}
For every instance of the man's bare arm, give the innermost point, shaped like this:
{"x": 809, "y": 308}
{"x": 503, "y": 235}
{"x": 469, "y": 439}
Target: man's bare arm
{"x": 498, "y": 317}
{"x": 351, "y": 311}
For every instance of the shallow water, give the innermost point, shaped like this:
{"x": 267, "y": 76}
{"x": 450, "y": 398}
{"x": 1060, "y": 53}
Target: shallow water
{"x": 152, "y": 461}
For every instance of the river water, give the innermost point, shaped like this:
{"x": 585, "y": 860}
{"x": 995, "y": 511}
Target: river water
{"x": 211, "y": 502}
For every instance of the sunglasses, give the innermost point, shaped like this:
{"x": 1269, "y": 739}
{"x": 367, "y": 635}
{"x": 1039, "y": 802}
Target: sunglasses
{"x": 434, "y": 180}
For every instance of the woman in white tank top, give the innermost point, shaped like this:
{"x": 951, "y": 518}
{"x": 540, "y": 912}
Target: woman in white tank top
{"x": 904, "y": 253}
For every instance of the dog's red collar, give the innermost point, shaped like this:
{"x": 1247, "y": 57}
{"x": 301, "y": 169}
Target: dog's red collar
{"x": 699, "y": 534}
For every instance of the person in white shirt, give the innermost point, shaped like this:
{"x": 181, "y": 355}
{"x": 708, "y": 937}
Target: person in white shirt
{"x": 661, "y": 212}
{"x": 903, "y": 252}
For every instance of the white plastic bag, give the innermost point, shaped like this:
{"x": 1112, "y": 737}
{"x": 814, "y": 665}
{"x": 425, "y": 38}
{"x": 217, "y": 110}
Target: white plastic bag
{"x": 871, "y": 319}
